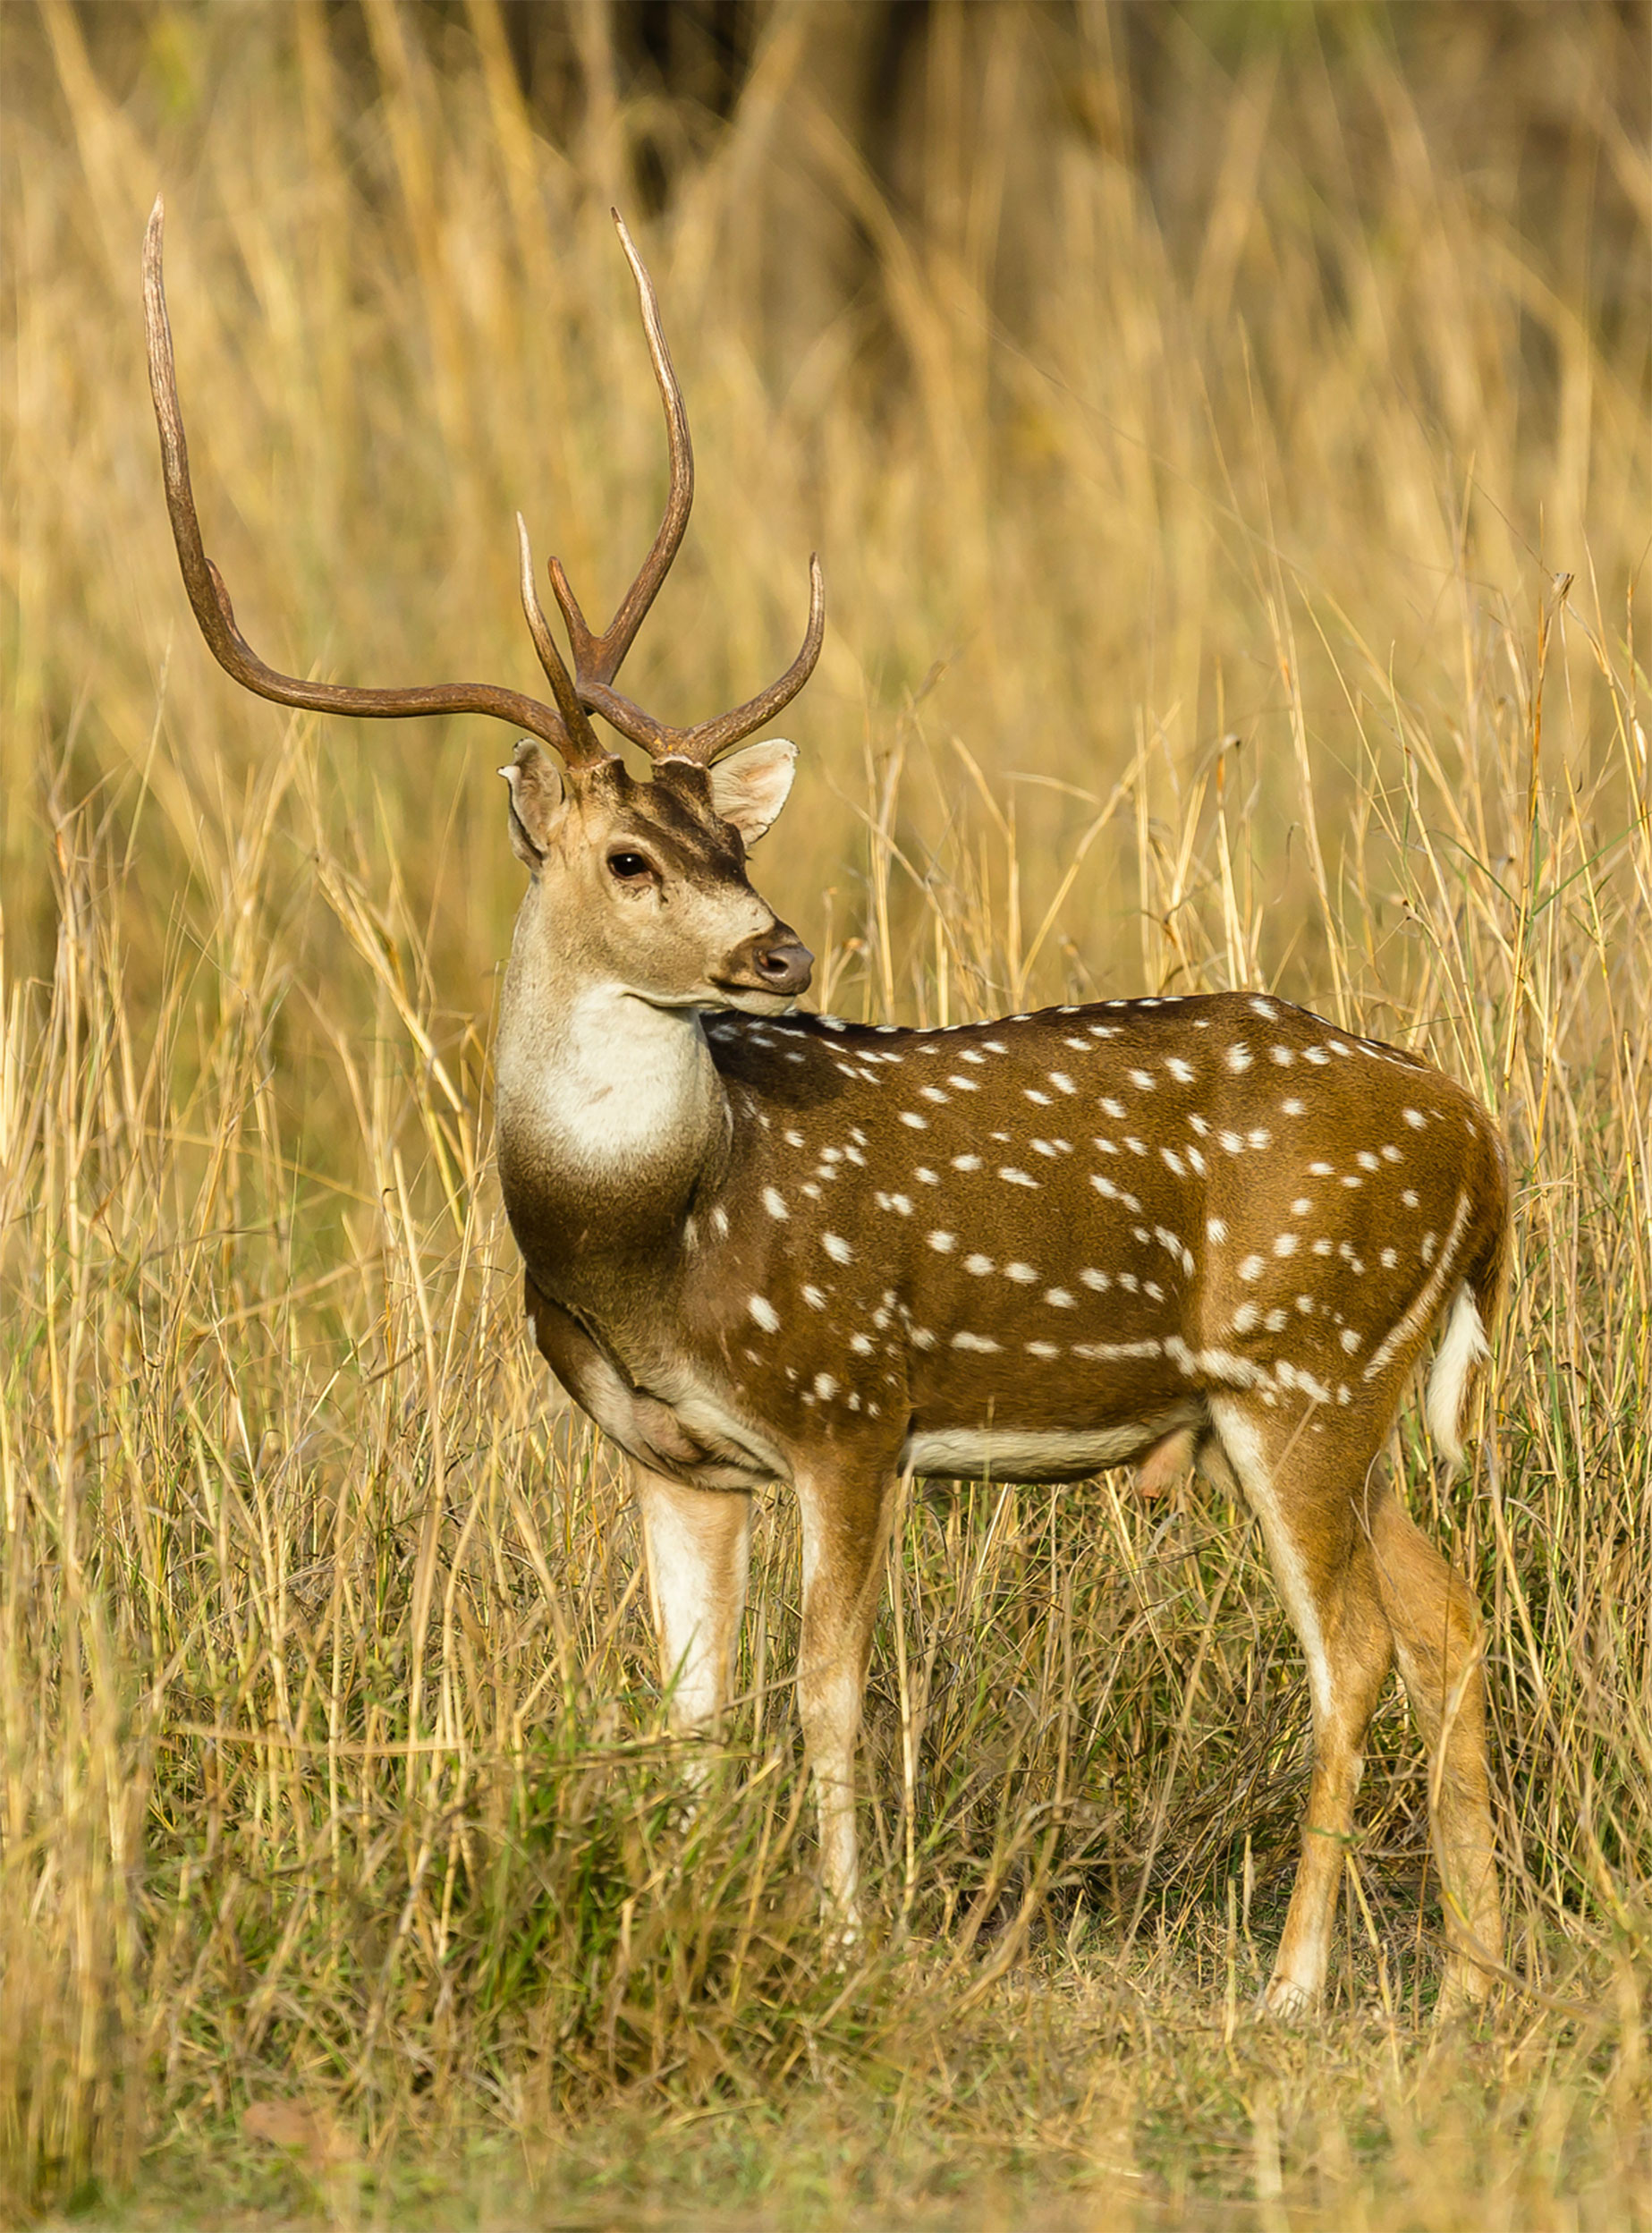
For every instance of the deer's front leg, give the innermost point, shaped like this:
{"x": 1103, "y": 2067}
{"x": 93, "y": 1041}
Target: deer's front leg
{"x": 698, "y": 1546}
{"x": 846, "y": 1527}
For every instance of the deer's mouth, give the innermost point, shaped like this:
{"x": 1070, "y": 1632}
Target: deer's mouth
{"x": 753, "y": 999}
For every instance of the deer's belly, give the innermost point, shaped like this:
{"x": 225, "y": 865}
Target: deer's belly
{"x": 1033, "y": 1454}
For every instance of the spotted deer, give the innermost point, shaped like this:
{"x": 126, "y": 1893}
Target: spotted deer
{"x": 768, "y": 1246}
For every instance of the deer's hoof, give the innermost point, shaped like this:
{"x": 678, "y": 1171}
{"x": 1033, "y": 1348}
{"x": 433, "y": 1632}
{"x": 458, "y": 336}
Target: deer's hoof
{"x": 1282, "y": 2001}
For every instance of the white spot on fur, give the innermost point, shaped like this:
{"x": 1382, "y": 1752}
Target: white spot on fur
{"x": 766, "y": 1316}
{"x": 838, "y": 1249}
{"x": 1290, "y": 1375}
{"x": 943, "y": 1244}
{"x": 977, "y": 1264}
{"x": 774, "y": 1202}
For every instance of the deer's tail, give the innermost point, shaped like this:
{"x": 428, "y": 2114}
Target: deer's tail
{"x": 1469, "y": 1315}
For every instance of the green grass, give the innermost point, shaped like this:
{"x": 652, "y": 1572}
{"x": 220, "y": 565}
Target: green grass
{"x": 1193, "y": 566}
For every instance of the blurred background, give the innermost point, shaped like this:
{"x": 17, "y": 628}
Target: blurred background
{"x": 1226, "y": 427}
{"x": 1148, "y": 377}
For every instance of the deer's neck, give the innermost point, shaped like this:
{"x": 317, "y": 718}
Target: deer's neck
{"x": 612, "y": 1121}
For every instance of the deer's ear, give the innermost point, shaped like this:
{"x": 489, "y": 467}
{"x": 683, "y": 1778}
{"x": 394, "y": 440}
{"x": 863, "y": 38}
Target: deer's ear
{"x": 537, "y": 800}
{"x": 749, "y": 787}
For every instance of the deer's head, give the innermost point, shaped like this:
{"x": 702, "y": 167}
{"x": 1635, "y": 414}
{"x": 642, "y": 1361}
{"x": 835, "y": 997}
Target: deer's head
{"x": 646, "y": 879}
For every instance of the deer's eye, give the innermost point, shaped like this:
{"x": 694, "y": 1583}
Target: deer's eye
{"x": 628, "y": 867}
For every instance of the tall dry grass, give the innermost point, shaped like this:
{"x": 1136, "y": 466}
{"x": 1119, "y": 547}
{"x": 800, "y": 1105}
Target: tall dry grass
{"x": 1245, "y": 600}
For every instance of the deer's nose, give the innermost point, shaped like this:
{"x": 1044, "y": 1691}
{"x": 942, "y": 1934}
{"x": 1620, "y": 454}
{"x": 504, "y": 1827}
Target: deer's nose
{"x": 775, "y": 960}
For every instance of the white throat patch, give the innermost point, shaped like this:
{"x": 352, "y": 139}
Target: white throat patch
{"x": 619, "y": 1079}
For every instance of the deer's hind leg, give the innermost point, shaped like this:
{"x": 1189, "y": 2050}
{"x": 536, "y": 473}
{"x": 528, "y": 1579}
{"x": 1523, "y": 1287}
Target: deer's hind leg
{"x": 1435, "y": 1625}
{"x": 698, "y": 1545}
{"x": 1298, "y": 1485}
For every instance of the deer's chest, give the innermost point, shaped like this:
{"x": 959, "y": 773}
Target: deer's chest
{"x": 675, "y": 1415}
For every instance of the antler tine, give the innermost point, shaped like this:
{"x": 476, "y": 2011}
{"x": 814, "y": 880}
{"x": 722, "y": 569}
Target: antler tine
{"x": 709, "y": 738}
{"x": 706, "y": 739}
{"x": 216, "y": 615}
{"x": 573, "y": 714}
{"x": 596, "y": 660}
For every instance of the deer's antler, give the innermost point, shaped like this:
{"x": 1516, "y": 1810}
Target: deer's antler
{"x": 565, "y": 725}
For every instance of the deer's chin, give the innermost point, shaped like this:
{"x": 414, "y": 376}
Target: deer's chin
{"x": 752, "y": 1000}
